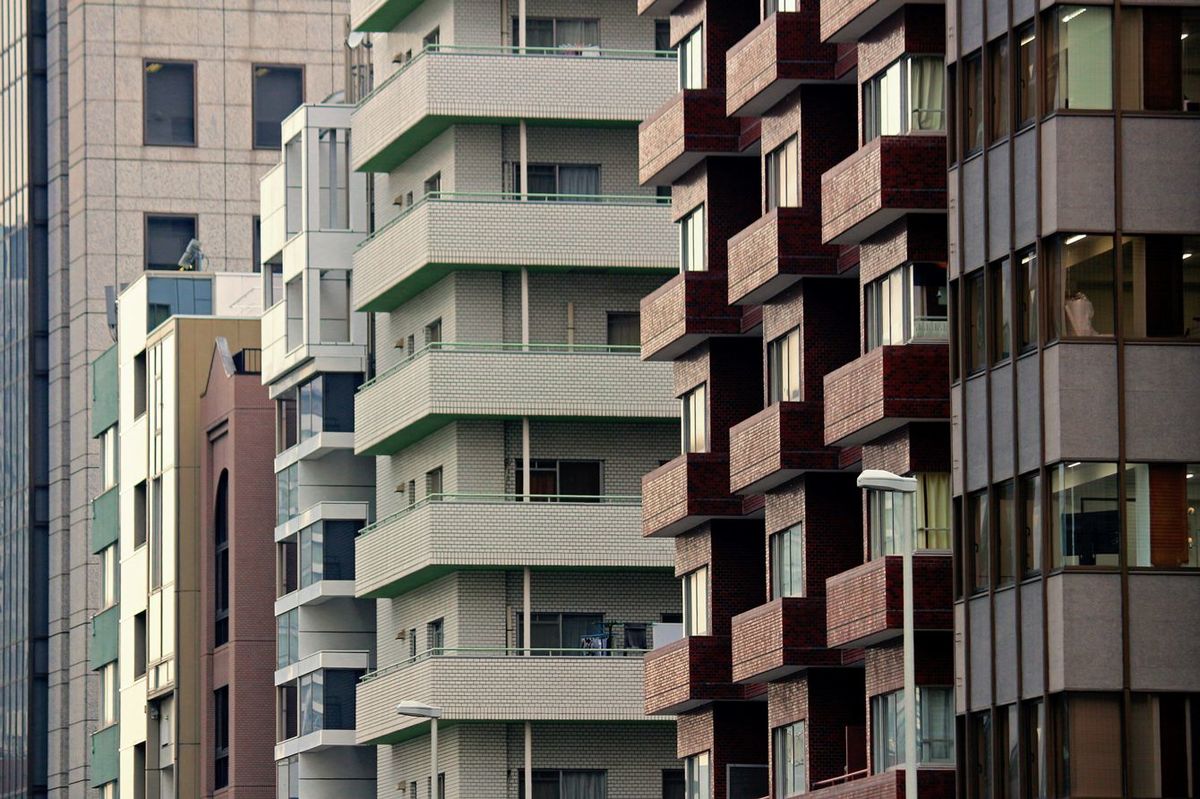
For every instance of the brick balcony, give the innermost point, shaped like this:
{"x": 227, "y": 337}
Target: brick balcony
{"x": 865, "y": 605}
{"x": 778, "y": 443}
{"x": 847, "y": 21}
{"x": 933, "y": 783}
{"x": 683, "y": 312}
{"x": 887, "y": 178}
{"x": 774, "y": 58}
{"x": 885, "y": 389}
{"x": 774, "y": 640}
{"x": 686, "y": 492}
{"x": 688, "y": 673}
{"x": 657, "y": 8}
{"x": 775, "y": 252}
{"x": 691, "y": 126}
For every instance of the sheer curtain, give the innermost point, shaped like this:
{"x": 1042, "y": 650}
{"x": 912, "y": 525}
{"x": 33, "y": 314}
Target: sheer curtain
{"x": 933, "y": 510}
{"x": 583, "y": 180}
{"x": 927, "y": 93}
{"x": 584, "y": 785}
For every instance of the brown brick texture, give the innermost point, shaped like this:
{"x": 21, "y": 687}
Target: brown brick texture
{"x": 865, "y": 398}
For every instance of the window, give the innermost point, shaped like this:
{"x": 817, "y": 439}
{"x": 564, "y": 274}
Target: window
{"x": 221, "y": 565}
{"x": 334, "y": 184}
{"x": 1078, "y": 58}
{"x": 287, "y": 425}
{"x": 887, "y": 731}
{"x": 783, "y": 368}
{"x": 1160, "y": 762}
{"x": 435, "y": 635}
{"x": 293, "y": 168}
{"x": 1160, "y": 59}
{"x": 907, "y": 96}
{"x": 1161, "y": 286}
{"x": 1087, "y": 736}
{"x": 139, "y": 644}
{"x": 673, "y": 785}
{"x": 432, "y": 39}
{"x": 433, "y": 483}
{"x": 935, "y": 725}
{"x": 110, "y": 570}
{"x": 155, "y": 532}
{"x": 287, "y": 778}
{"x": 692, "y": 256}
{"x": 553, "y": 182}
{"x": 110, "y": 697}
{"x": 1030, "y": 509}
{"x": 287, "y": 723}
{"x": 1081, "y": 271}
{"x": 287, "y": 493}
{"x": 932, "y": 507}
{"x": 787, "y": 562}
{"x": 695, "y": 602}
{"x": 905, "y": 304}
{"x": 166, "y": 239}
{"x": 169, "y": 100}
{"x": 321, "y": 700}
{"x": 979, "y": 541}
{"x": 564, "y": 33}
{"x": 287, "y": 638}
{"x": 998, "y": 88}
{"x": 696, "y": 776}
{"x": 979, "y": 749}
{"x": 1084, "y": 517}
{"x": 695, "y": 420}
{"x": 1001, "y": 290}
{"x": 1026, "y": 76}
{"x": 772, "y": 6}
{"x": 139, "y": 384}
{"x": 412, "y": 642}
{"x": 575, "y": 481}
{"x": 433, "y": 332}
{"x": 321, "y": 551}
{"x": 433, "y": 184}
{"x": 1033, "y": 729}
{"x": 691, "y": 59}
{"x": 1160, "y": 517}
{"x": 109, "y": 459}
{"x": 554, "y": 632}
{"x": 141, "y": 506}
{"x": 783, "y": 176}
{"x": 662, "y": 43}
{"x": 565, "y": 784}
{"x": 972, "y": 104}
{"x": 1027, "y": 304}
{"x": 1008, "y": 784}
{"x": 277, "y": 92}
{"x": 976, "y": 330}
{"x": 1006, "y": 520}
{"x": 790, "y": 752}
{"x": 890, "y": 520}
{"x": 624, "y": 329}
{"x": 221, "y": 738}
{"x": 287, "y": 567}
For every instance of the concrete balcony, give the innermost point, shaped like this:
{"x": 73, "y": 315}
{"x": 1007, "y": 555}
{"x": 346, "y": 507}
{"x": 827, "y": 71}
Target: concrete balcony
{"x": 687, "y": 674}
{"x": 445, "y": 381}
{"x": 887, "y": 178}
{"x": 775, "y": 252}
{"x": 688, "y": 128}
{"x": 686, "y": 492}
{"x": 685, "y": 311}
{"x": 449, "y": 85}
{"x": 432, "y": 538}
{"x": 380, "y": 16}
{"x": 448, "y": 231}
{"x": 778, "y": 443}
{"x": 888, "y": 785}
{"x": 865, "y": 606}
{"x": 784, "y": 51}
{"x": 273, "y": 196}
{"x": 887, "y": 388}
{"x": 499, "y": 685}
{"x": 849, "y": 21}
{"x": 780, "y": 638}
{"x": 285, "y": 350}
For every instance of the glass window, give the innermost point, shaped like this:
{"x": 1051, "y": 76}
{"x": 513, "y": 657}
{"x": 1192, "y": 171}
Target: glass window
{"x": 334, "y": 178}
{"x": 908, "y": 303}
{"x": 695, "y": 420}
{"x": 109, "y": 459}
{"x": 1078, "y": 58}
{"x": 783, "y": 176}
{"x": 167, "y": 297}
{"x": 972, "y": 104}
{"x": 935, "y": 725}
{"x": 887, "y": 731}
{"x": 933, "y": 511}
{"x": 293, "y": 175}
{"x": 886, "y": 306}
{"x": 976, "y": 329}
{"x": 691, "y": 59}
{"x": 1030, "y": 499}
{"x": 979, "y": 540}
{"x": 1087, "y": 736}
{"x": 287, "y": 638}
{"x": 692, "y": 255}
{"x": 170, "y": 103}
{"x": 221, "y": 566}
{"x": 1160, "y": 517}
{"x": 1081, "y": 272}
{"x": 979, "y": 749}
{"x": 1027, "y": 305}
{"x": 783, "y": 368}
{"x": 221, "y": 737}
{"x": 1161, "y": 725}
{"x": 772, "y": 6}
{"x": 998, "y": 88}
{"x": 1001, "y": 298}
{"x": 155, "y": 530}
{"x": 907, "y": 96}
{"x": 287, "y": 778}
{"x": 1160, "y": 59}
{"x": 110, "y": 696}
{"x": 787, "y": 562}
{"x": 1084, "y": 517}
{"x": 110, "y": 570}
{"x": 695, "y": 602}
{"x": 1161, "y": 286}
{"x": 277, "y": 92}
{"x": 926, "y": 93}
{"x": 697, "y": 777}
{"x": 433, "y": 483}
{"x": 166, "y": 239}
{"x": 791, "y": 751}
{"x": 286, "y": 422}
{"x": 1034, "y": 732}
{"x": 287, "y": 493}
{"x": 662, "y": 42}
{"x": 1006, "y": 520}
{"x": 1026, "y": 76}
{"x": 566, "y": 33}
{"x": 432, "y": 39}
{"x": 1008, "y": 783}
{"x": 624, "y": 329}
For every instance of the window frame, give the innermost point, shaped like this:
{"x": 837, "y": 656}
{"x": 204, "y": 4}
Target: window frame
{"x": 783, "y": 742}
{"x": 780, "y": 549}
{"x": 146, "y": 217}
{"x": 785, "y": 368}
{"x": 254, "y": 67}
{"x": 693, "y": 227}
{"x": 692, "y": 40}
{"x": 693, "y": 400}
{"x": 695, "y": 583}
{"x": 781, "y": 176}
{"x": 999, "y": 98}
{"x": 195, "y": 102}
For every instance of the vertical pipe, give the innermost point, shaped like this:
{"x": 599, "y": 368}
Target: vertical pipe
{"x": 528, "y": 753}
{"x": 433, "y": 755}
{"x": 525, "y": 308}
{"x": 527, "y": 609}
{"x": 526, "y": 467}
{"x": 521, "y": 30}
{"x": 910, "y": 657}
{"x": 524, "y": 147}
{"x": 570, "y": 324}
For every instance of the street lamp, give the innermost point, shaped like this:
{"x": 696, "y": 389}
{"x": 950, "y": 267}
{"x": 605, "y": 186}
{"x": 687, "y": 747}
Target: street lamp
{"x": 420, "y": 710}
{"x": 880, "y": 480}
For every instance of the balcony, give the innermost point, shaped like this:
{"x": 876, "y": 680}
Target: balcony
{"x": 775, "y": 252}
{"x": 685, "y": 311}
{"x": 690, "y": 127}
{"x": 888, "y": 785}
{"x": 447, "y": 85}
{"x": 446, "y": 381}
{"x": 105, "y": 628}
{"x": 448, "y": 231}
{"x": 688, "y": 673}
{"x": 380, "y": 16}
{"x": 778, "y": 443}
{"x": 500, "y": 685}
{"x": 885, "y": 389}
{"x": 657, "y": 8}
{"x": 784, "y": 51}
{"x": 848, "y": 21}
{"x": 887, "y": 178}
{"x": 780, "y": 638}
{"x": 286, "y": 349}
{"x": 449, "y": 532}
{"x": 865, "y": 606}
{"x": 686, "y": 492}
{"x": 106, "y": 519}
{"x": 106, "y": 755}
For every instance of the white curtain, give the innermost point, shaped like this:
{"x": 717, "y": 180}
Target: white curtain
{"x": 578, "y": 180}
{"x": 927, "y": 93}
{"x": 584, "y": 785}
{"x": 933, "y": 510}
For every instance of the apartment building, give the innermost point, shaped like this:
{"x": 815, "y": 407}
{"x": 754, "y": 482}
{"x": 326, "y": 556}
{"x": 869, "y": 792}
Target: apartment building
{"x": 1074, "y": 303}
{"x": 315, "y": 355}
{"x": 509, "y": 416}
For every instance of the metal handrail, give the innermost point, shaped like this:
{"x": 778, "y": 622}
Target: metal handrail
{"x": 590, "y": 499}
{"x": 488, "y": 346}
{"x": 500, "y": 651}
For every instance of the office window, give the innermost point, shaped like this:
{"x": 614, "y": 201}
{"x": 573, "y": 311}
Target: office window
{"x": 783, "y": 368}
{"x": 169, "y": 103}
{"x": 1033, "y": 730}
{"x": 1027, "y": 304}
{"x": 166, "y": 239}
{"x": 555, "y": 480}
{"x": 791, "y": 776}
{"x": 624, "y": 329}
{"x": 1160, "y": 59}
{"x": 697, "y": 776}
{"x": 1087, "y": 751}
{"x": 691, "y": 59}
{"x": 287, "y": 638}
{"x": 433, "y": 184}
{"x": 110, "y": 566}
{"x": 692, "y": 255}
{"x": 334, "y": 183}
{"x": 979, "y": 749}
{"x": 1080, "y": 269}
{"x": 976, "y": 329}
{"x": 287, "y": 493}
{"x": 1006, "y": 520}
{"x": 908, "y": 96}
{"x": 1078, "y": 58}
{"x": 1160, "y": 518}
{"x": 221, "y": 564}
{"x": 972, "y": 104}
{"x": 695, "y": 420}
{"x": 1001, "y": 299}
{"x": 321, "y": 551}
{"x": 998, "y": 70}
{"x": 1030, "y": 509}
{"x": 787, "y": 562}
{"x": 1084, "y": 517}
{"x": 662, "y": 40}
{"x": 1007, "y": 728}
{"x": 110, "y": 697}
{"x": 979, "y": 541}
{"x": 695, "y": 602}
{"x": 1161, "y": 286}
{"x": 221, "y": 738}
{"x": 887, "y": 731}
{"x": 772, "y": 6}
{"x": 277, "y": 92}
{"x": 1026, "y": 76}
{"x": 783, "y": 176}
{"x": 109, "y": 459}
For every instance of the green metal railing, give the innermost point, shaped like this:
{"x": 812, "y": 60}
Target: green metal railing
{"x": 480, "y": 346}
{"x": 499, "y": 652}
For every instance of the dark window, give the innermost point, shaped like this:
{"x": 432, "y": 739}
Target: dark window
{"x": 976, "y": 330}
{"x": 1008, "y": 784}
{"x": 139, "y": 644}
{"x": 1160, "y": 59}
{"x": 221, "y": 738}
{"x": 256, "y": 246}
{"x": 288, "y": 722}
{"x": 139, "y": 384}
{"x": 435, "y": 635}
{"x": 170, "y": 103}
{"x": 433, "y": 332}
{"x": 277, "y": 92}
{"x": 979, "y": 749}
{"x": 433, "y": 183}
{"x": 141, "y": 506}
{"x": 289, "y": 575}
{"x": 1161, "y": 286}
{"x": 166, "y": 239}
{"x": 662, "y": 43}
{"x": 433, "y": 483}
{"x": 432, "y": 39}
{"x": 1001, "y": 300}
{"x": 1084, "y": 514}
{"x": 546, "y": 181}
{"x": 168, "y": 296}
{"x": 1033, "y": 729}
{"x": 1027, "y": 304}
{"x": 673, "y": 784}
{"x": 953, "y": 312}
{"x": 998, "y": 71}
{"x": 221, "y": 529}
{"x": 579, "y": 480}
{"x": 972, "y": 104}
{"x": 1026, "y": 75}
{"x": 624, "y": 328}
{"x": 1006, "y": 520}
{"x": 1030, "y": 516}
{"x": 978, "y": 540}
{"x": 554, "y": 632}
{"x": 1087, "y": 750}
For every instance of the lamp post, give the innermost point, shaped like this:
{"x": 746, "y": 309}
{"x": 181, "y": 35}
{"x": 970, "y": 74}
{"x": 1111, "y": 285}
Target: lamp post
{"x": 880, "y": 480}
{"x": 420, "y": 710}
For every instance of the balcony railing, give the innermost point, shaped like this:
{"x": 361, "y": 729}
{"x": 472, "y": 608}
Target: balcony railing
{"x": 930, "y": 328}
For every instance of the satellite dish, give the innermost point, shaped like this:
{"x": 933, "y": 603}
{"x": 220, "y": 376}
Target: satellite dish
{"x": 355, "y": 39}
